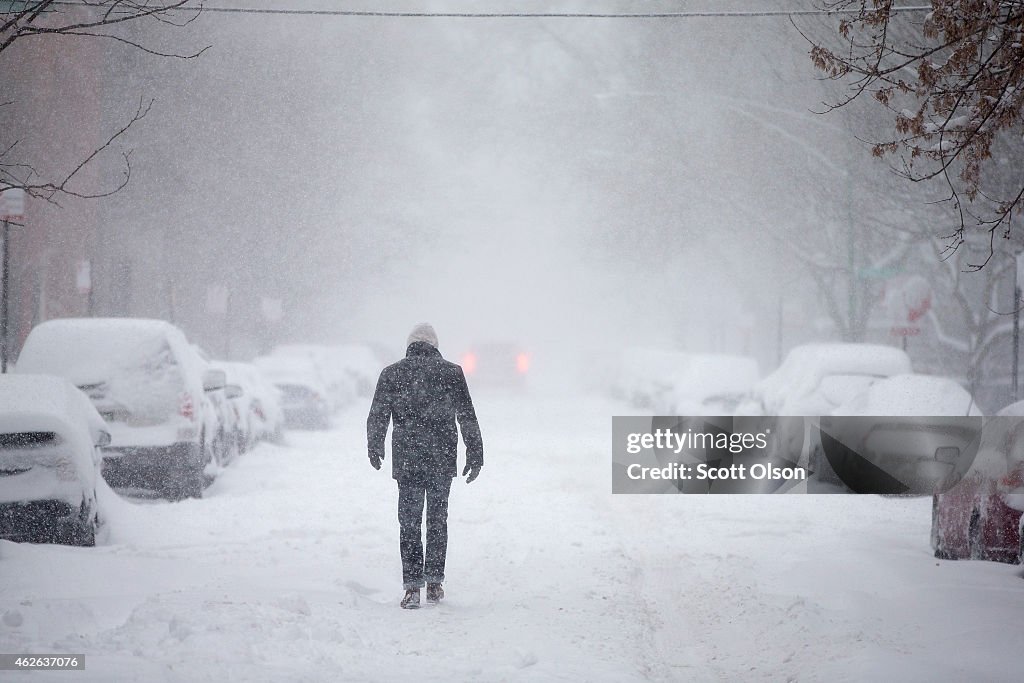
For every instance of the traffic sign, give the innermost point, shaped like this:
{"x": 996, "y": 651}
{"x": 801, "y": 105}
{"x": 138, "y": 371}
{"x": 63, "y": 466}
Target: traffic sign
{"x": 907, "y": 300}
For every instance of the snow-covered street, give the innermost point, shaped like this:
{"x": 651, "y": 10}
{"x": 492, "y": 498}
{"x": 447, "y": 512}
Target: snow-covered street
{"x": 288, "y": 569}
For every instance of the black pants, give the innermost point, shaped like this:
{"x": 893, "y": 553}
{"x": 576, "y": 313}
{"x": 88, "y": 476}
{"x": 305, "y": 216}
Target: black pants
{"x": 417, "y": 569}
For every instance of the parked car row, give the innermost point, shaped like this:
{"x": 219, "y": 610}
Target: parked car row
{"x": 130, "y": 400}
{"x": 317, "y": 380}
{"x": 670, "y": 382}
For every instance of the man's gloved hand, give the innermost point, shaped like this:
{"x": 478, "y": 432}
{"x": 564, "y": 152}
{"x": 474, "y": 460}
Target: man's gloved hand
{"x": 473, "y": 471}
{"x": 375, "y": 460}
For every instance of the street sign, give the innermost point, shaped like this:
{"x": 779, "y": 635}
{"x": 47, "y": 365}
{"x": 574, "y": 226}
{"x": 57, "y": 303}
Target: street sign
{"x": 878, "y": 273}
{"x": 12, "y": 204}
{"x": 907, "y": 300}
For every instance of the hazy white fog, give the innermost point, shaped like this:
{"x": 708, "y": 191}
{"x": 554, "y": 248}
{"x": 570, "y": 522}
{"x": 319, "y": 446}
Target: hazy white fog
{"x": 569, "y": 182}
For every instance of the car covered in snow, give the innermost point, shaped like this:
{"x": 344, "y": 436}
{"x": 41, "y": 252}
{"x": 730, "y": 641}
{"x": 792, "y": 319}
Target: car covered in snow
{"x": 643, "y": 377}
{"x": 906, "y": 434}
{"x": 812, "y": 381}
{"x": 50, "y": 436}
{"x": 981, "y": 518}
{"x": 338, "y": 385}
{"x": 708, "y": 384}
{"x": 361, "y": 364}
{"x": 149, "y": 385}
{"x": 303, "y": 395}
{"x": 258, "y": 403}
{"x": 815, "y": 379}
{"x": 229, "y": 439}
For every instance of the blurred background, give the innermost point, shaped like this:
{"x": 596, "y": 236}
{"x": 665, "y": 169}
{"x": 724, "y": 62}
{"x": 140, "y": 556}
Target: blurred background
{"x": 572, "y": 186}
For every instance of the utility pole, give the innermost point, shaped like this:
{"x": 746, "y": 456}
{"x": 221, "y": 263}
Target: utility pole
{"x": 6, "y": 284}
{"x": 1016, "y": 327}
{"x": 12, "y": 206}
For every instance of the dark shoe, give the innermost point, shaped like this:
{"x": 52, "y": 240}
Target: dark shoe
{"x": 411, "y": 599}
{"x": 434, "y": 592}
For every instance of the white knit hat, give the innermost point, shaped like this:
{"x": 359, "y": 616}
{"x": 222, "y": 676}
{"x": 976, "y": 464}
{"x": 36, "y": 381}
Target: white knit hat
{"x": 423, "y": 332}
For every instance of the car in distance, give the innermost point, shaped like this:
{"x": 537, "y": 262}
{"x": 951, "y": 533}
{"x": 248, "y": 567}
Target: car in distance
{"x": 149, "y": 385}
{"x": 498, "y": 365}
{"x": 256, "y": 402}
{"x": 304, "y": 398}
{"x": 709, "y": 384}
{"x": 49, "y": 461}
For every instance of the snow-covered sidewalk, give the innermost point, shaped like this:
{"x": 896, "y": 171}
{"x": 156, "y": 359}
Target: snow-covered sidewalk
{"x": 288, "y": 569}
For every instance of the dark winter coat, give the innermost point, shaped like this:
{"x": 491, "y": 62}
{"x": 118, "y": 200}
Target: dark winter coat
{"x": 424, "y": 395}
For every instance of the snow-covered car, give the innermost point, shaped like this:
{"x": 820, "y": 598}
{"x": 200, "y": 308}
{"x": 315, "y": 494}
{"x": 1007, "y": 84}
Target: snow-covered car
{"x": 303, "y": 396}
{"x": 643, "y": 378}
{"x": 812, "y": 381}
{"x": 149, "y": 385}
{"x": 501, "y": 365}
{"x": 229, "y": 439}
{"x": 258, "y": 403}
{"x": 338, "y": 385}
{"x": 815, "y": 379}
{"x": 50, "y": 439}
{"x": 981, "y": 518}
{"x": 361, "y": 364}
{"x": 709, "y": 384}
{"x": 906, "y": 434}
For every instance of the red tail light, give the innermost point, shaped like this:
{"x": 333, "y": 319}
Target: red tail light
{"x": 186, "y": 408}
{"x": 469, "y": 363}
{"x": 522, "y": 363}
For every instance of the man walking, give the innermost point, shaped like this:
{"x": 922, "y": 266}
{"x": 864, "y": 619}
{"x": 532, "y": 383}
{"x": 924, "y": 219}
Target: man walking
{"x": 424, "y": 395}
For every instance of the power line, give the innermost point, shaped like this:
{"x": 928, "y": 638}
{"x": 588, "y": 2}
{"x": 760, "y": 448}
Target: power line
{"x": 692, "y": 14}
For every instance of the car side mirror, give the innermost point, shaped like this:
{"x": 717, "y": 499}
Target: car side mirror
{"x": 102, "y": 438}
{"x": 233, "y": 391}
{"x": 214, "y": 380}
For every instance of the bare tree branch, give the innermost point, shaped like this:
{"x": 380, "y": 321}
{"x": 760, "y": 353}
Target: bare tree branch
{"x": 105, "y": 20}
{"x": 954, "y": 83}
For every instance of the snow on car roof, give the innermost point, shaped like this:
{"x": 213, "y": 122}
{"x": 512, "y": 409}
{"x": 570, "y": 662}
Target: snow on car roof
{"x": 290, "y": 369}
{"x": 87, "y": 349}
{"x": 31, "y": 403}
{"x": 911, "y": 395}
{"x": 806, "y": 365}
